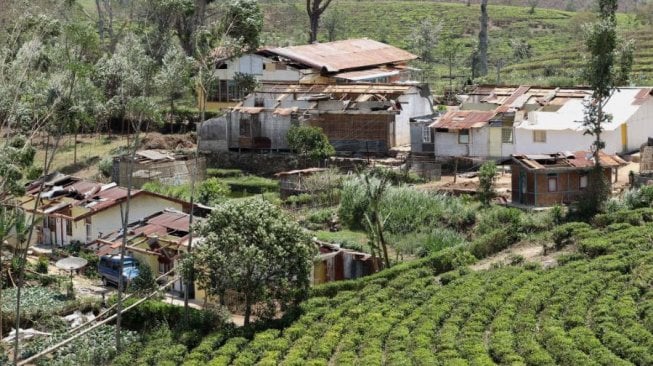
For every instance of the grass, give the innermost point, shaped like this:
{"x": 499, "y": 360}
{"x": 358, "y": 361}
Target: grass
{"x": 345, "y": 237}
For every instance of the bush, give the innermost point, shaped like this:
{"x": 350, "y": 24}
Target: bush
{"x": 152, "y": 314}
{"x": 486, "y": 176}
{"x": 42, "y": 265}
{"x": 212, "y": 191}
{"x": 224, "y": 173}
{"x": 106, "y": 166}
{"x": 252, "y": 185}
{"x": 496, "y": 217}
{"x": 493, "y": 242}
{"x": 396, "y": 177}
{"x": 322, "y": 216}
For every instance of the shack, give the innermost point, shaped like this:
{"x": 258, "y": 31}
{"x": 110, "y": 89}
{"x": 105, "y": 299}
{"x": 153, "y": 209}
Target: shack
{"x": 168, "y": 167}
{"x": 334, "y": 263}
{"x": 550, "y": 179}
{"x": 292, "y": 182}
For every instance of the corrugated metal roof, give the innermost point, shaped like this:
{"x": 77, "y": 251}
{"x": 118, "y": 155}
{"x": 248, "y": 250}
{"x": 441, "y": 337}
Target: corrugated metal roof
{"x": 343, "y": 55}
{"x": 462, "y": 120}
{"x": 335, "y": 89}
{"x": 642, "y": 96}
{"x": 576, "y": 160}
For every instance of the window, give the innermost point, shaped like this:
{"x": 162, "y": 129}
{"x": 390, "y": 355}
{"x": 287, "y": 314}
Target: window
{"x": 583, "y": 182}
{"x": 463, "y": 137}
{"x": 69, "y": 228}
{"x": 539, "y": 136}
{"x": 506, "y": 135}
{"x": 426, "y": 134}
{"x": 553, "y": 183}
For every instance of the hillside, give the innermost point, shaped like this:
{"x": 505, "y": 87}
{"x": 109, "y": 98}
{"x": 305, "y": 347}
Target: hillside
{"x": 554, "y": 36}
{"x": 594, "y": 308}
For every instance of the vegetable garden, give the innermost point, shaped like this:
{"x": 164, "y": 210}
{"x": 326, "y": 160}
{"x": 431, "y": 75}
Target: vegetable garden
{"x": 594, "y": 308}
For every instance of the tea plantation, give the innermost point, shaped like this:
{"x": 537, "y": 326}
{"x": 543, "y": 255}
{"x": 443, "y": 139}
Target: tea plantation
{"x": 595, "y": 307}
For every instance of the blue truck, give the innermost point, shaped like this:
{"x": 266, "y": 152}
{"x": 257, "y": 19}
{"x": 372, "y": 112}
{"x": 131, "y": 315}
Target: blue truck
{"x": 109, "y": 269}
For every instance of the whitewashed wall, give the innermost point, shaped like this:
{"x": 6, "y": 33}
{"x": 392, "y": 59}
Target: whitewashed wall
{"x": 446, "y": 143}
{"x": 413, "y": 105}
{"x": 640, "y": 125}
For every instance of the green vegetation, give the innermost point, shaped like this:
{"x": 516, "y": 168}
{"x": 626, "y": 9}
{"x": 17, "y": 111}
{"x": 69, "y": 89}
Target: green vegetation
{"x": 209, "y": 192}
{"x": 554, "y": 37}
{"x": 310, "y": 142}
{"x": 596, "y": 308}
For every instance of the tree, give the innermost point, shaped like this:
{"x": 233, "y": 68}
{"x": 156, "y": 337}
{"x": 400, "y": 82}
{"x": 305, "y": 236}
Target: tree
{"x": 375, "y": 190}
{"x": 314, "y": 9}
{"x": 243, "y": 21}
{"x": 212, "y": 191}
{"x": 521, "y": 49}
{"x": 532, "y": 4}
{"x": 483, "y": 40}
{"x": 424, "y": 38}
{"x": 144, "y": 283}
{"x": 173, "y": 79}
{"x": 252, "y": 247}
{"x": 450, "y": 48}
{"x": 245, "y": 83}
{"x": 486, "y": 177}
{"x": 310, "y": 142}
{"x": 607, "y": 67}
{"x": 333, "y": 22}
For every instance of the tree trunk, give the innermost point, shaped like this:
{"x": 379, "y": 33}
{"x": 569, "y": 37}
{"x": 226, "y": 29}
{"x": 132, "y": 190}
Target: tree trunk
{"x": 314, "y": 24}
{"x": 248, "y": 310}
{"x": 483, "y": 40}
{"x": 100, "y": 22}
{"x": 75, "y": 147}
{"x": 384, "y": 247}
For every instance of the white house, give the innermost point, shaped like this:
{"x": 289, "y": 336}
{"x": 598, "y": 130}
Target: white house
{"x": 345, "y": 61}
{"x": 496, "y": 122}
{"x": 71, "y": 209}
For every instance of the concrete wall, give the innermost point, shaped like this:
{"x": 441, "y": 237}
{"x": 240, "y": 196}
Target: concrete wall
{"x": 246, "y": 64}
{"x": 413, "y": 105}
{"x": 640, "y": 126}
{"x": 417, "y": 144}
{"x": 214, "y": 135}
{"x": 446, "y": 143}
{"x": 563, "y": 140}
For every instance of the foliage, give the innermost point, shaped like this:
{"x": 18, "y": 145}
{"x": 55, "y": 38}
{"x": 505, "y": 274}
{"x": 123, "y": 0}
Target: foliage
{"x": 583, "y": 312}
{"x": 223, "y": 173}
{"x": 158, "y": 348}
{"x": 394, "y": 176}
{"x": 487, "y": 176}
{"x": 144, "y": 283}
{"x": 243, "y": 21}
{"x": 95, "y": 347}
{"x": 424, "y": 39}
{"x": 42, "y": 265}
{"x": 251, "y": 184}
{"x": 245, "y": 83}
{"x": 212, "y": 191}
{"x": 310, "y": 142}
{"x": 252, "y": 247}
{"x": 35, "y": 301}
{"x": 152, "y": 314}
{"x": 173, "y": 79}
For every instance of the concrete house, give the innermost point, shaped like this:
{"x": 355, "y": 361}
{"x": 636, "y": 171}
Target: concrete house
{"x": 72, "y": 209}
{"x": 357, "y": 118}
{"x": 549, "y": 179}
{"x": 345, "y": 61}
{"x": 495, "y": 122}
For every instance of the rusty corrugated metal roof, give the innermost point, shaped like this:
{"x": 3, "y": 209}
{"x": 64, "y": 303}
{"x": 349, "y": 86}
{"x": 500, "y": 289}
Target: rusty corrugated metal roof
{"x": 642, "y": 96}
{"x": 462, "y": 120}
{"x": 576, "y": 160}
{"x": 343, "y": 55}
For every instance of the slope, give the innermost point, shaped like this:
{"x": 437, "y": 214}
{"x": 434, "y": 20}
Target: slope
{"x": 594, "y": 308}
{"x": 554, "y": 36}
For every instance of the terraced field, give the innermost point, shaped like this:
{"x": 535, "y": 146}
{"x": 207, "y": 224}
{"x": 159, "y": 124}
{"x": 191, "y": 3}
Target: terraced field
{"x": 594, "y": 308}
{"x": 554, "y": 36}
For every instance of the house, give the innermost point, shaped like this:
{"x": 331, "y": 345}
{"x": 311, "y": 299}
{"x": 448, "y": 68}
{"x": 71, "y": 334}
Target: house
{"x": 72, "y": 209}
{"x": 357, "y": 118}
{"x": 345, "y": 61}
{"x": 157, "y": 240}
{"x": 334, "y": 263}
{"x": 167, "y": 167}
{"x": 495, "y": 122}
{"x": 561, "y": 178}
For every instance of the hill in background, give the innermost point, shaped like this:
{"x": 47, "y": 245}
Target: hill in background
{"x": 554, "y": 36}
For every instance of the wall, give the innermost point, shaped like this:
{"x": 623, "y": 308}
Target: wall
{"x": 246, "y": 64}
{"x": 140, "y": 206}
{"x": 252, "y": 162}
{"x": 357, "y": 132}
{"x": 168, "y": 172}
{"x": 416, "y": 138}
{"x": 214, "y": 135}
{"x": 563, "y": 140}
{"x": 413, "y": 105}
{"x": 640, "y": 125}
{"x": 446, "y": 143}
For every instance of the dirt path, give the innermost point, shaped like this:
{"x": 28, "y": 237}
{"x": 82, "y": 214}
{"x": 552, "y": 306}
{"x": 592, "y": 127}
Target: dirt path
{"x": 530, "y": 251}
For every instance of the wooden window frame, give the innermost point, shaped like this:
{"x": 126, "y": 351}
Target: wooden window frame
{"x": 426, "y": 135}
{"x": 467, "y": 134}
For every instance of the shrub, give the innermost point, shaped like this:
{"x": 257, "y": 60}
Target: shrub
{"x": 106, "y": 166}
{"x": 322, "y": 216}
{"x": 252, "y": 185}
{"x": 486, "y": 176}
{"x": 224, "y": 173}
{"x": 396, "y": 177}
{"x": 152, "y": 314}
{"x": 565, "y": 234}
{"x": 497, "y": 217}
{"x": 493, "y": 242}
{"x": 212, "y": 191}
{"x": 42, "y": 265}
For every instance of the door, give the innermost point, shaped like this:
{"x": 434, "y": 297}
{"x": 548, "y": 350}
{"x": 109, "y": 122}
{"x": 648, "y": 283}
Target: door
{"x": 522, "y": 186}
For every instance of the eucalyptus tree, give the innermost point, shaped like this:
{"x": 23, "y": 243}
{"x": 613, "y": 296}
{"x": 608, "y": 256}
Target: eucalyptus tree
{"x": 173, "y": 79}
{"x": 608, "y": 65}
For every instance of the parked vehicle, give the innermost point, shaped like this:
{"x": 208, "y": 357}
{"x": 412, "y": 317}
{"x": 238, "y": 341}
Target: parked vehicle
{"x": 109, "y": 269}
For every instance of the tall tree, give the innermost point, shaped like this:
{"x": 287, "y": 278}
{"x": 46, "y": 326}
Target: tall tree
{"x": 333, "y": 23}
{"x": 314, "y": 9}
{"x": 608, "y": 66}
{"x": 449, "y": 49}
{"x": 424, "y": 39}
{"x": 483, "y": 40}
{"x": 174, "y": 78}
{"x": 252, "y": 247}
